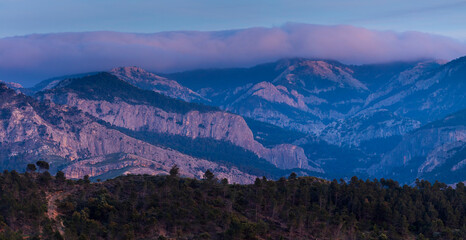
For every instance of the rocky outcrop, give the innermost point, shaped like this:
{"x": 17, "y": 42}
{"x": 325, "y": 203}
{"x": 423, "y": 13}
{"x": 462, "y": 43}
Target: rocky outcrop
{"x": 405, "y": 78}
{"x": 113, "y": 165}
{"x": 306, "y": 95}
{"x": 319, "y": 76}
{"x": 30, "y": 130}
{"x": 435, "y": 151}
{"x": 146, "y": 80}
{"x": 218, "y": 125}
{"x": 427, "y": 92}
{"x": 374, "y": 110}
{"x": 275, "y": 94}
{"x": 367, "y": 125}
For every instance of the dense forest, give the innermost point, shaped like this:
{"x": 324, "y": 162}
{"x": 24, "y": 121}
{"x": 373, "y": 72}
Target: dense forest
{"x": 36, "y": 205}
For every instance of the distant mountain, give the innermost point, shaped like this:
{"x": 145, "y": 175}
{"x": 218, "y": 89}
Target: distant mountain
{"x": 204, "y": 80}
{"x": 147, "y": 114}
{"x": 146, "y": 80}
{"x": 65, "y": 137}
{"x": 308, "y": 95}
{"x": 12, "y": 85}
{"x": 317, "y": 97}
{"x": 369, "y": 108}
{"x": 366, "y": 126}
{"x": 427, "y": 92}
{"x": 312, "y": 116}
{"x": 436, "y": 151}
{"x": 52, "y": 82}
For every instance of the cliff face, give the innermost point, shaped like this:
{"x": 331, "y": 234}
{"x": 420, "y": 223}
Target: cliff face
{"x": 30, "y": 130}
{"x": 305, "y": 96}
{"x": 427, "y": 92}
{"x": 313, "y": 95}
{"x": 367, "y": 125}
{"x": 370, "y": 111}
{"x": 375, "y": 109}
{"x": 218, "y": 125}
{"x": 435, "y": 151}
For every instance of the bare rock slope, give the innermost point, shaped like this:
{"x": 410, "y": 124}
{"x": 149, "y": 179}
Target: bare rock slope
{"x": 65, "y": 136}
{"x": 118, "y": 103}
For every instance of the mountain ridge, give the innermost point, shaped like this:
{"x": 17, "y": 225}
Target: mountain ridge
{"x": 365, "y": 110}
{"x": 145, "y": 112}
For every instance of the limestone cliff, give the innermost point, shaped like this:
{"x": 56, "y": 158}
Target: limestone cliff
{"x": 139, "y": 115}
{"x": 434, "y": 151}
{"x": 31, "y": 130}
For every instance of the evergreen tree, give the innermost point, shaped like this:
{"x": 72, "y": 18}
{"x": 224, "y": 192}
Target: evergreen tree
{"x": 31, "y": 167}
{"x": 174, "y": 171}
{"x": 208, "y": 175}
{"x": 43, "y": 165}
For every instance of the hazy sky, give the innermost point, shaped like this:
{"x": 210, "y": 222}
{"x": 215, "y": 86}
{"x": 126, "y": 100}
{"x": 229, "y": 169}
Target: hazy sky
{"x": 21, "y": 17}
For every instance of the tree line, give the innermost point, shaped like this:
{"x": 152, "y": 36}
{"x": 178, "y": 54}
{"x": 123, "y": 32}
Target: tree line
{"x": 163, "y": 207}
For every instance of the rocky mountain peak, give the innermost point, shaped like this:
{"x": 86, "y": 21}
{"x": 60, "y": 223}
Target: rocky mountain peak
{"x": 409, "y": 76}
{"x": 3, "y": 86}
{"x": 313, "y": 74}
{"x": 114, "y": 101}
{"x": 12, "y": 84}
{"x": 136, "y": 74}
{"x": 150, "y": 81}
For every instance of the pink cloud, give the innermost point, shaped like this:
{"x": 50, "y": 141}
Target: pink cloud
{"x": 48, "y": 55}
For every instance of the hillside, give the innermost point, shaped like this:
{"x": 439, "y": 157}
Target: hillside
{"x": 150, "y": 81}
{"x": 67, "y": 137}
{"x": 323, "y": 117}
{"x": 146, "y": 114}
{"x": 435, "y": 151}
{"x": 368, "y": 112}
{"x": 161, "y": 207}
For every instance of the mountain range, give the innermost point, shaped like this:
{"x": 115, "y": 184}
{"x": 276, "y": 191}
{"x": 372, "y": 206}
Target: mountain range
{"x": 310, "y": 116}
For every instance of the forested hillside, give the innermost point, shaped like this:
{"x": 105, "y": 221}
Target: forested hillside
{"x": 37, "y": 205}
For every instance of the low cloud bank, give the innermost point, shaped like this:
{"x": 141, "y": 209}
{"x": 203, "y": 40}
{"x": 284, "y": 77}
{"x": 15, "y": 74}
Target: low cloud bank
{"x": 30, "y": 58}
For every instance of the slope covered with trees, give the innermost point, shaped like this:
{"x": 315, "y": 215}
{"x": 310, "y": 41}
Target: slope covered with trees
{"x": 40, "y": 206}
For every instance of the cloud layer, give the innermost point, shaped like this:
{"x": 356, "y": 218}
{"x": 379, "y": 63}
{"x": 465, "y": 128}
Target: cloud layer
{"x": 30, "y": 58}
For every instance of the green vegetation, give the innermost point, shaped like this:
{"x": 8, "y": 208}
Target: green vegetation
{"x": 23, "y": 207}
{"x": 39, "y": 206}
{"x": 43, "y": 165}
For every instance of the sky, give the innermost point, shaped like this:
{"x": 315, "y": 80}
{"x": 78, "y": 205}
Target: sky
{"x": 21, "y": 17}
{"x": 47, "y": 38}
